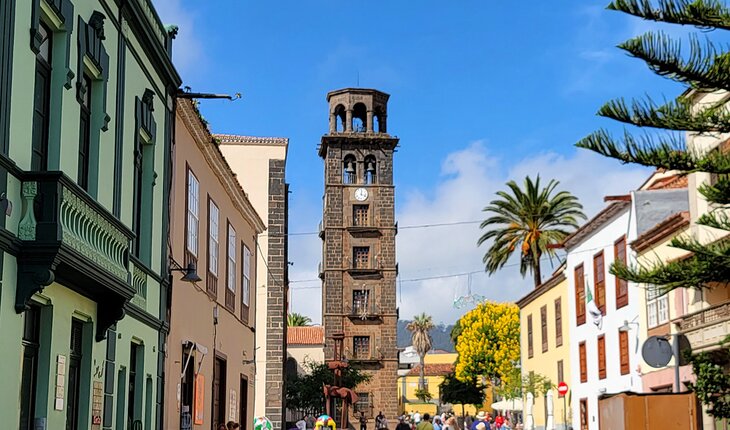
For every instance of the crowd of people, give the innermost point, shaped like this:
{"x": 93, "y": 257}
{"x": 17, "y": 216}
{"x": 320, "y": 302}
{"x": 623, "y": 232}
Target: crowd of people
{"x": 230, "y": 425}
{"x": 448, "y": 421}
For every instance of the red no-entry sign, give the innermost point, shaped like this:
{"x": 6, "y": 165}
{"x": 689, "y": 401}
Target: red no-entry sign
{"x": 562, "y": 388}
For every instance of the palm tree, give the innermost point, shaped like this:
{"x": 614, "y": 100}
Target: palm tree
{"x": 531, "y": 219}
{"x": 420, "y": 329}
{"x": 297, "y": 320}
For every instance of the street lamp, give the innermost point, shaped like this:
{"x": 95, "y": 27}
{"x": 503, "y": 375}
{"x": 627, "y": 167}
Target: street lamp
{"x": 191, "y": 272}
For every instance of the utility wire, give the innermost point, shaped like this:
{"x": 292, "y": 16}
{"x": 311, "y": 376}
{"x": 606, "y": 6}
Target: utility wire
{"x": 406, "y": 227}
{"x": 427, "y": 278}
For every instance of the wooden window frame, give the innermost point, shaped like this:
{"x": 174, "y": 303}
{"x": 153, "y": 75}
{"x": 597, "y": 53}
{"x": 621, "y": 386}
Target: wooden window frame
{"x": 31, "y": 346}
{"x": 583, "y": 414}
{"x": 582, "y": 357}
{"x": 356, "y": 353}
{"x": 191, "y": 248}
{"x": 231, "y": 243}
{"x": 530, "y": 345}
{"x": 356, "y": 261}
{"x": 558, "y": 322}
{"x": 601, "y": 342}
{"x": 561, "y": 371}
{"x": 41, "y": 132}
{"x": 360, "y": 221}
{"x": 599, "y": 284}
{"x": 580, "y": 294}
{"x": 622, "y": 285}
{"x": 213, "y": 261}
{"x": 245, "y": 282}
{"x": 544, "y": 328}
{"x": 85, "y": 123}
{"x": 623, "y": 347}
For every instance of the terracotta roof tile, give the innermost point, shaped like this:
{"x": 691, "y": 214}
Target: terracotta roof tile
{"x": 435, "y": 369}
{"x": 670, "y": 182}
{"x": 307, "y": 335}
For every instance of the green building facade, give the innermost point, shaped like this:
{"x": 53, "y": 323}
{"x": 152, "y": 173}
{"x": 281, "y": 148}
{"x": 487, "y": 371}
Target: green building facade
{"x": 87, "y": 94}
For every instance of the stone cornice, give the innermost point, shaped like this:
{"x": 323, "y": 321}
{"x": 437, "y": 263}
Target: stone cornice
{"x": 595, "y": 223}
{"x": 541, "y": 289}
{"x": 661, "y": 231}
{"x": 218, "y": 164}
{"x": 233, "y": 139}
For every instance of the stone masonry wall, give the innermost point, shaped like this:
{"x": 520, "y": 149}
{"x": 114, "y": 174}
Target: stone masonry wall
{"x": 277, "y": 294}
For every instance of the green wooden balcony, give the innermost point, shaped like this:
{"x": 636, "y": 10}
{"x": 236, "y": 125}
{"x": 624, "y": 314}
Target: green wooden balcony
{"x": 68, "y": 237}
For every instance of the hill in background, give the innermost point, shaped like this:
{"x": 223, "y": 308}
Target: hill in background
{"x": 440, "y": 335}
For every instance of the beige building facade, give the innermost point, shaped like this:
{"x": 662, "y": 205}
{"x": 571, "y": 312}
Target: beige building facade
{"x": 210, "y": 362}
{"x": 260, "y": 166}
{"x": 707, "y": 321}
{"x": 545, "y": 344}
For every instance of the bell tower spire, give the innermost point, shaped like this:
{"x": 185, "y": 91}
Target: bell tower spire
{"x": 358, "y": 268}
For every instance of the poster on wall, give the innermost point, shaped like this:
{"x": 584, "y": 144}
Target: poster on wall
{"x": 198, "y": 403}
{"x": 233, "y": 407}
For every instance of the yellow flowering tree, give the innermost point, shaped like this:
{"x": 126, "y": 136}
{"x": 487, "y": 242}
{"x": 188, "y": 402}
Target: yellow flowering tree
{"x": 489, "y": 342}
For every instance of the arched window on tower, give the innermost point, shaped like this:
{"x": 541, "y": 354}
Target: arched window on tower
{"x": 359, "y": 118}
{"x": 349, "y": 170}
{"x": 378, "y": 121}
{"x": 340, "y": 116}
{"x": 371, "y": 169}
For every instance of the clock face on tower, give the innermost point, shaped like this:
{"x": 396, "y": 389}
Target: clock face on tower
{"x": 361, "y": 194}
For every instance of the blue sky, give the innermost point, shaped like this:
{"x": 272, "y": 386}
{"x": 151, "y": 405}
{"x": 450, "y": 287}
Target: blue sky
{"x": 481, "y": 92}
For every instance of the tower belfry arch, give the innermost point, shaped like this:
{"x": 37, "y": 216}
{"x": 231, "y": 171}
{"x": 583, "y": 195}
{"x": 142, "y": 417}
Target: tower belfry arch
{"x": 359, "y": 266}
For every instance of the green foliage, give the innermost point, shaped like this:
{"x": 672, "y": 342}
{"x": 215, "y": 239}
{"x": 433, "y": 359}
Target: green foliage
{"x": 298, "y": 320}
{"x": 423, "y": 395}
{"x": 305, "y": 392}
{"x": 530, "y": 219}
{"x": 703, "y": 67}
{"x": 455, "y": 333}
{"x": 517, "y": 385}
{"x": 455, "y": 391}
{"x": 713, "y": 382}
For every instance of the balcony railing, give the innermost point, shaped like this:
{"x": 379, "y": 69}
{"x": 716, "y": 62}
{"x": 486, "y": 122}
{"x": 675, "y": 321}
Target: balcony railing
{"x": 362, "y": 227}
{"x": 706, "y": 328}
{"x": 139, "y": 282}
{"x": 363, "y": 310}
{"x": 373, "y": 354}
{"x": 68, "y": 236}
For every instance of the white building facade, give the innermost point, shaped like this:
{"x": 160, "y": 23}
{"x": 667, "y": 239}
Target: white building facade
{"x": 604, "y": 356}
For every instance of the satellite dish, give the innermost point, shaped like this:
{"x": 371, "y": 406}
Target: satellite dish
{"x": 656, "y": 351}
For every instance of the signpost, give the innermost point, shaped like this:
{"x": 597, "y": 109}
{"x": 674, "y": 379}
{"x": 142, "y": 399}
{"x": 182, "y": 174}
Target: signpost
{"x": 563, "y": 390}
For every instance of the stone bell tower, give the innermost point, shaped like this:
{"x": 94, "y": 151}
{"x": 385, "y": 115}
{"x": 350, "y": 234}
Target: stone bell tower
{"x": 358, "y": 230}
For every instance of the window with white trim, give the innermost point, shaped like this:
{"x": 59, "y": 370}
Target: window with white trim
{"x": 657, "y": 307}
{"x": 213, "y": 243}
{"x": 246, "y": 276}
{"x": 191, "y": 242}
{"x": 231, "y": 284}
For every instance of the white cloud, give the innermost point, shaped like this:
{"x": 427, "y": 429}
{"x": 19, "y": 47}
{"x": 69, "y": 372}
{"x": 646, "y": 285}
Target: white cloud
{"x": 187, "y": 48}
{"x": 469, "y": 178}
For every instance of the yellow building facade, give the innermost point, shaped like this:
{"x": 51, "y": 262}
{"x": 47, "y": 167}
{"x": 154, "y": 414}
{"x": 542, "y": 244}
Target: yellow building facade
{"x": 545, "y": 344}
{"x": 437, "y": 365}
